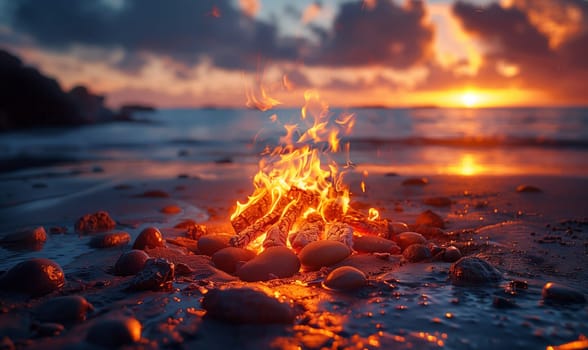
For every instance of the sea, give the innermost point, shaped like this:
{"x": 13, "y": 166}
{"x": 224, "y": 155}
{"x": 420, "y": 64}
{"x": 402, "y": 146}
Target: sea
{"x": 407, "y": 141}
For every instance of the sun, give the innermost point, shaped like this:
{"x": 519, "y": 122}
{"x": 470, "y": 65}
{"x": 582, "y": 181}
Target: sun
{"x": 469, "y": 99}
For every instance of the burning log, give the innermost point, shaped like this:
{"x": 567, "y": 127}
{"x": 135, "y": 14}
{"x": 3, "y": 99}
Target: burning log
{"x": 342, "y": 232}
{"x": 277, "y": 235}
{"x": 368, "y": 227}
{"x": 253, "y": 212}
{"x": 311, "y": 230}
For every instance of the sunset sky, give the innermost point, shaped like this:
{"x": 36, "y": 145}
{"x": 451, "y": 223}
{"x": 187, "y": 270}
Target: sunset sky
{"x": 188, "y": 53}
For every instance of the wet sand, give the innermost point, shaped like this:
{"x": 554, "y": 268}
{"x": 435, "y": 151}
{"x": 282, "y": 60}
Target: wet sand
{"x": 530, "y": 237}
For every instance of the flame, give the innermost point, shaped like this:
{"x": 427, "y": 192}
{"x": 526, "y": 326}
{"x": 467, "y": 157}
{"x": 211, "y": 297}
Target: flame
{"x": 373, "y": 214}
{"x": 302, "y": 161}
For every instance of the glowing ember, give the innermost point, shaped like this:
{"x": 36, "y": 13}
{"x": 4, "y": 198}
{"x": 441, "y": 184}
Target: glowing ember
{"x": 299, "y": 194}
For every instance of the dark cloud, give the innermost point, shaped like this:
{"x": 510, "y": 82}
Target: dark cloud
{"x": 387, "y": 35}
{"x": 184, "y": 30}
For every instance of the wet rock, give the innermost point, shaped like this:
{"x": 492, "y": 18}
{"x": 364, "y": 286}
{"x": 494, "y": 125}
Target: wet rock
{"x": 503, "y": 303}
{"x": 247, "y": 305}
{"x": 374, "y": 244}
{"x": 114, "y": 332}
{"x": 560, "y": 294}
{"x": 229, "y": 258}
{"x": 96, "y": 222}
{"x": 396, "y": 227}
{"x": 472, "y": 270}
{"x": 32, "y": 238}
{"x": 437, "y": 201}
{"x": 451, "y": 254}
{"x": 273, "y": 262}
{"x": 35, "y": 277}
{"x": 416, "y": 253}
{"x": 158, "y": 274}
{"x": 109, "y": 240}
{"x": 211, "y": 244}
{"x": 64, "y": 309}
{"x": 171, "y": 209}
{"x": 431, "y": 219}
{"x": 149, "y": 238}
{"x": 528, "y": 189}
{"x": 406, "y": 239}
{"x": 415, "y": 181}
{"x": 323, "y": 253}
{"x": 48, "y": 329}
{"x": 130, "y": 263}
{"x": 345, "y": 278}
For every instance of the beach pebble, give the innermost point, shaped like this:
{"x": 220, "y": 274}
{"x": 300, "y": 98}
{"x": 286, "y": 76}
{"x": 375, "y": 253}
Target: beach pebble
{"x": 247, "y": 305}
{"x": 528, "y": 189}
{"x": 64, "y": 309}
{"x": 472, "y": 270}
{"x": 406, "y": 239}
{"x": 396, "y": 227}
{"x": 374, "y": 244}
{"x": 155, "y": 194}
{"x": 171, "y": 209}
{"x": 323, "y": 253}
{"x": 430, "y": 218}
{"x": 210, "y": 244}
{"x": 345, "y": 278}
{"x": 36, "y": 277}
{"x": 96, "y": 222}
{"x": 193, "y": 230}
{"x": 158, "y": 274}
{"x": 416, "y": 253}
{"x": 28, "y": 238}
{"x": 227, "y": 259}
{"x": 108, "y": 240}
{"x": 415, "y": 181}
{"x": 149, "y": 238}
{"x": 558, "y": 293}
{"x": 273, "y": 262}
{"x": 451, "y": 254}
{"x": 437, "y": 201}
{"x": 48, "y": 329}
{"x": 130, "y": 263}
{"x": 114, "y": 332}
{"x": 428, "y": 231}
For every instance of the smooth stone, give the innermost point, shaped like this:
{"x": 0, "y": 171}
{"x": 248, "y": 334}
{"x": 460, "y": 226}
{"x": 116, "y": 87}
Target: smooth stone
{"x": 323, "y": 253}
{"x": 227, "y": 259}
{"x": 430, "y": 218}
{"x": 64, "y": 309}
{"x": 149, "y": 238}
{"x": 273, "y": 262}
{"x": 429, "y": 231}
{"x": 406, "y": 239}
{"x": 451, "y": 254}
{"x": 27, "y": 238}
{"x": 114, "y": 332}
{"x": 416, "y": 253}
{"x": 171, "y": 209}
{"x": 210, "y": 244}
{"x": 374, "y": 244}
{"x": 96, "y": 222}
{"x": 130, "y": 263}
{"x": 558, "y": 293}
{"x": 158, "y": 274}
{"x": 396, "y": 227}
{"x": 109, "y": 240}
{"x": 48, "y": 329}
{"x": 345, "y": 278}
{"x": 528, "y": 189}
{"x": 247, "y": 305}
{"x": 471, "y": 270}
{"x": 36, "y": 277}
{"x": 415, "y": 181}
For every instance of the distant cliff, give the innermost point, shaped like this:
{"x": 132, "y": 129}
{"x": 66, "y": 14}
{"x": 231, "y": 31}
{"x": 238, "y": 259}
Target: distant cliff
{"x": 30, "y": 99}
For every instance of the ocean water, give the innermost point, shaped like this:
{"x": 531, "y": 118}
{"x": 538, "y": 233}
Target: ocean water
{"x": 505, "y": 141}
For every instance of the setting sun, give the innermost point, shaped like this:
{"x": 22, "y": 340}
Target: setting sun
{"x": 470, "y": 99}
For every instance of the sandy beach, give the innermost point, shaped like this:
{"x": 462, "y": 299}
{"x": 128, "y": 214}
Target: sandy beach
{"x": 531, "y": 237}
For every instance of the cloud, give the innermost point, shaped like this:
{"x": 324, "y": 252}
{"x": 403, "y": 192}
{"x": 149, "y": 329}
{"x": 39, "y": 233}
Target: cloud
{"x": 385, "y": 35}
{"x": 183, "y": 30}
